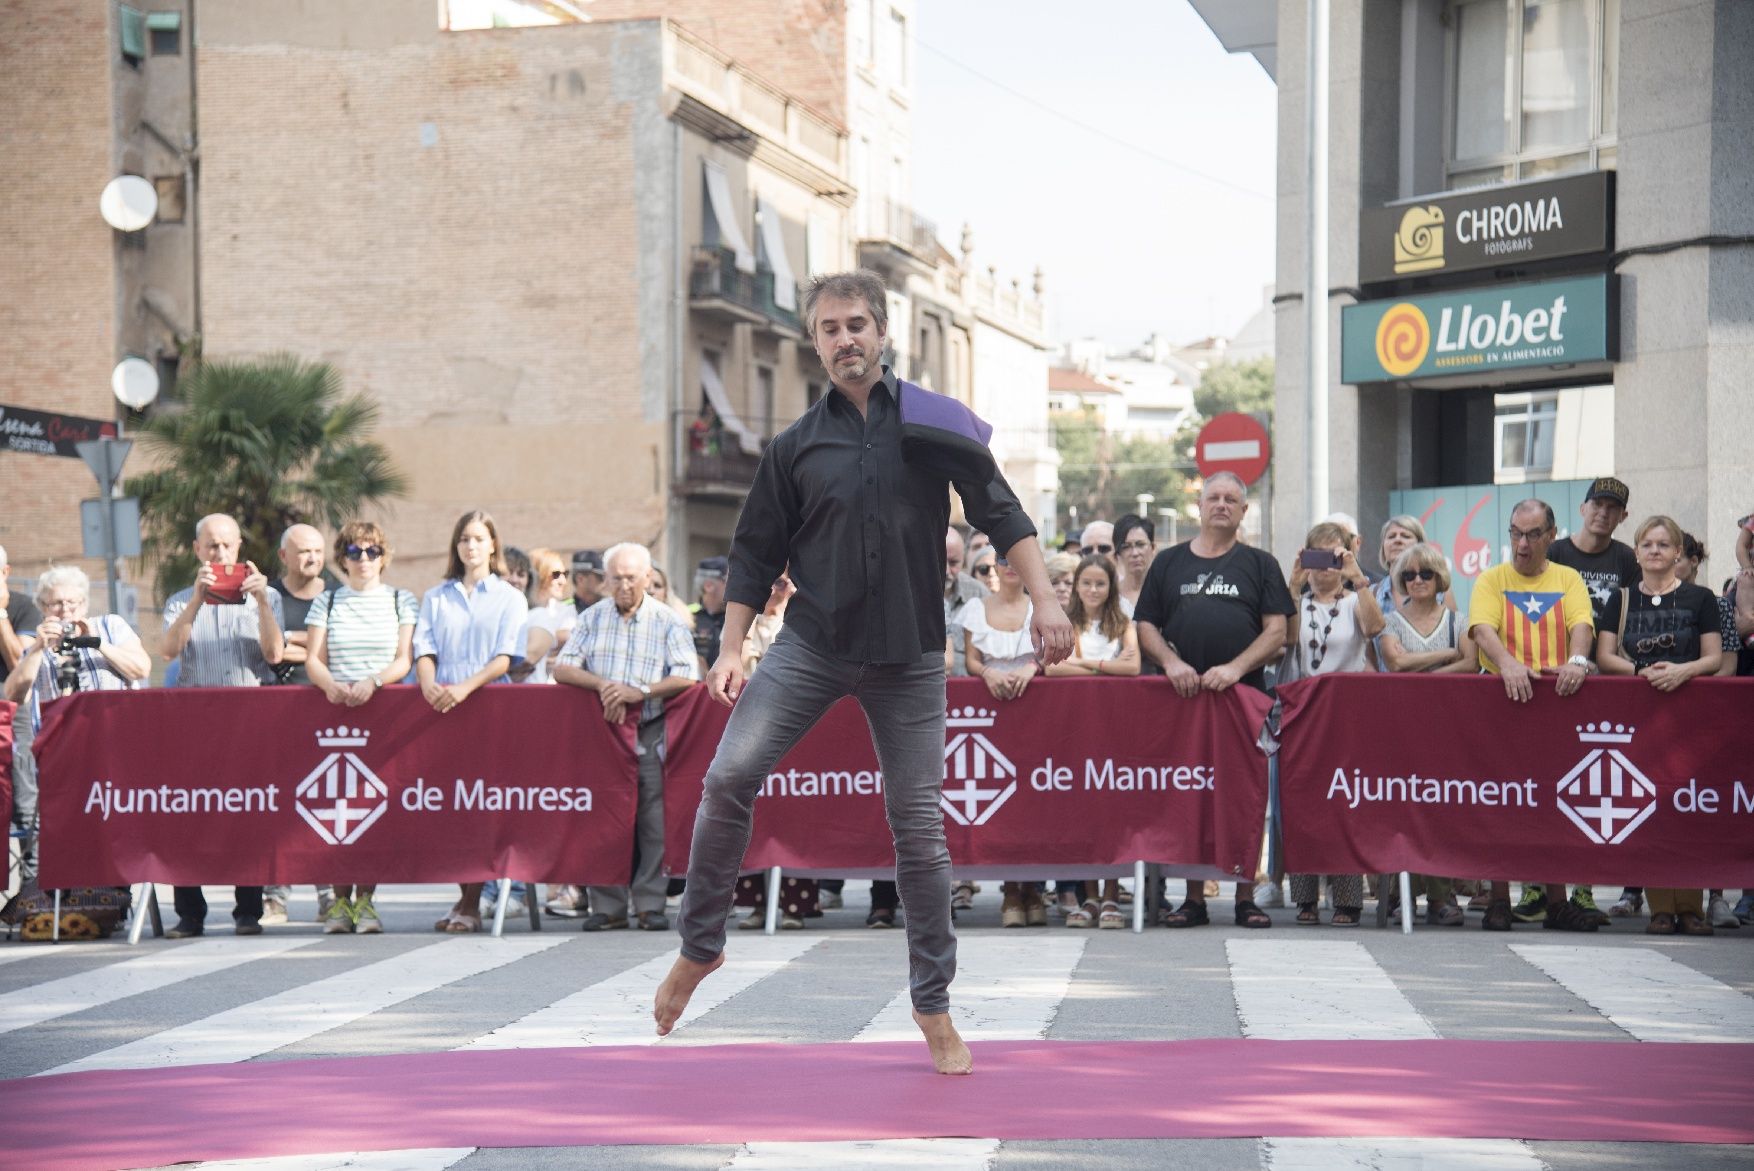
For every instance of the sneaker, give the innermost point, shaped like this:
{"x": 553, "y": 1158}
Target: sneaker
{"x": 273, "y": 912}
{"x": 570, "y": 903}
{"x": 1568, "y": 916}
{"x": 1532, "y": 907}
{"x": 1269, "y": 894}
{"x": 325, "y": 900}
{"x": 1745, "y": 907}
{"x": 962, "y": 896}
{"x": 365, "y": 917}
{"x": 753, "y": 921}
{"x": 829, "y": 900}
{"x": 1629, "y": 904}
{"x": 880, "y": 917}
{"x": 1584, "y": 899}
{"x": 790, "y": 922}
{"x": 1499, "y": 916}
{"x": 1718, "y": 913}
{"x": 186, "y": 929}
{"x": 249, "y": 927}
{"x": 339, "y": 920}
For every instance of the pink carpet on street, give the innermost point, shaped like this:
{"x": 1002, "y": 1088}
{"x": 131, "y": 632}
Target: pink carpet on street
{"x": 1223, "y": 1088}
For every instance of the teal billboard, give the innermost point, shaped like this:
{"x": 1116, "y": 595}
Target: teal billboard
{"x": 1469, "y": 522}
{"x": 1501, "y": 327}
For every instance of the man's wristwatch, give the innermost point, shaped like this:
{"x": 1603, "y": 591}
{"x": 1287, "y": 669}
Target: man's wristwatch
{"x": 1578, "y": 661}
{"x": 644, "y": 690}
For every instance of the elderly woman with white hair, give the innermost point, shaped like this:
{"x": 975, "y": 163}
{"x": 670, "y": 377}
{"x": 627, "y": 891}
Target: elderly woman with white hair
{"x": 73, "y": 651}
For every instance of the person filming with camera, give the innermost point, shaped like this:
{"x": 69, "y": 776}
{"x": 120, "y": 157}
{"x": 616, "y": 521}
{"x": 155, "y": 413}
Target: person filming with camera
{"x": 73, "y": 651}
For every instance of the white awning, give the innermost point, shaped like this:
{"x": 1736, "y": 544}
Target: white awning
{"x": 721, "y": 404}
{"x": 773, "y": 240}
{"x": 718, "y": 193}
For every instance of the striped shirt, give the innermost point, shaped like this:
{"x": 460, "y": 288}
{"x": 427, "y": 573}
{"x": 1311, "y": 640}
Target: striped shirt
{"x": 653, "y": 644}
{"x": 224, "y": 647}
{"x": 362, "y": 629}
{"x": 463, "y": 630}
{"x": 95, "y": 671}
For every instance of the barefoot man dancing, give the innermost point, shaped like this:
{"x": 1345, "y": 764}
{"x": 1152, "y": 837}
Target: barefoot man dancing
{"x": 851, "y": 501}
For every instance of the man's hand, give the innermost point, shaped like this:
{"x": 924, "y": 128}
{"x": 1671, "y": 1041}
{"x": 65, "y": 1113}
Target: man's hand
{"x": 204, "y": 580}
{"x": 1221, "y": 678}
{"x": 49, "y": 632}
{"x": 1051, "y": 632}
{"x": 623, "y": 694}
{"x": 1183, "y": 678}
{"x": 1519, "y": 682}
{"x": 614, "y": 707}
{"x": 255, "y": 582}
{"x": 725, "y": 681}
{"x": 1571, "y": 677}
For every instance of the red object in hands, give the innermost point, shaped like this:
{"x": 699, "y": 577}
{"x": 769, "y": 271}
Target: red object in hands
{"x": 228, "y": 584}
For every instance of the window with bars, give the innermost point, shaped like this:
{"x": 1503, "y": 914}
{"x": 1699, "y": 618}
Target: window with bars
{"x": 1533, "y": 89}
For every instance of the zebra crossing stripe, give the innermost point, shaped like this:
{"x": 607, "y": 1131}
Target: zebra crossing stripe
{"x": 419, "y": 1159}
{"x": 618, "y": 1010}
{"x": 1007, "y": 988}
{"x": 1318, "y": 991}
{"x": 286, "y": 1018}
{"x": 147, "y": 973}
{"x": 12, "y": 955}
{"x": 1398, "y": 1154}
{"x": 902, "y": 1154}
{"x": 1646, "y": 993}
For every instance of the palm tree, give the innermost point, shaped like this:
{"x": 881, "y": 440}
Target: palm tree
{"x": 273, "y": 442}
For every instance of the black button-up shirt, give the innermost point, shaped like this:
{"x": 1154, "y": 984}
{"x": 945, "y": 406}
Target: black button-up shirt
{"x": 862, "y": 528}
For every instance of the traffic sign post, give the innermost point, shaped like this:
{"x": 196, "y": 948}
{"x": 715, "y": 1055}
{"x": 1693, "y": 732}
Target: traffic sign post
{"x": 1234, "y": 443}
{"x": 105, "y": 457}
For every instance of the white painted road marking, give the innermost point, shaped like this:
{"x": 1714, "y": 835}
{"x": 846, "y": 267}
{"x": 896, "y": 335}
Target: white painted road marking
{"x": 1007, "y": 988}
{"x": 418, "y": 1159}
{"x": 1318, "y": 991}
{"x": 1646, "y": 993}
{"x": 1398, "y": 1154}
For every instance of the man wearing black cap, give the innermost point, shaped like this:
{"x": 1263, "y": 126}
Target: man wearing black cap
{"x": 1607, "y": 566}
{"x": 587, "y": 579}
{"x": 709, "y": 609}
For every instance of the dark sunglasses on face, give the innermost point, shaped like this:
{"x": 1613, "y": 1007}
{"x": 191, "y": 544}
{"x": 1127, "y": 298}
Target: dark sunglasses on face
{"x": 1087, "y": 550}
{"x": 1407, "y": 575}
{"x": 557, "y": 575}
{"x": 364, "y": 553}
{"x": 982, "y": 570}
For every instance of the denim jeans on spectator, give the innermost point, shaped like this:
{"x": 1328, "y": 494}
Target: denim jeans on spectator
{"x": 904, "y": 707}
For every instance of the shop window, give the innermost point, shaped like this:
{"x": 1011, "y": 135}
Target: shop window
{"x": 1533, "y": 88}
{"x": 1523, "y": 436}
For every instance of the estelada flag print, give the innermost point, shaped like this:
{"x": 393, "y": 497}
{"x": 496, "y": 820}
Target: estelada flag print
{"x": 1534, "y": 625}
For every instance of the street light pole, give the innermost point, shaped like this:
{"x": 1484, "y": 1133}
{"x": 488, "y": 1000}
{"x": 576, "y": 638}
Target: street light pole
{"x": 1315, "y": 293}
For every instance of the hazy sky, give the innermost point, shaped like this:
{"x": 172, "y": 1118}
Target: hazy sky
{"x": 1129, "y": 243}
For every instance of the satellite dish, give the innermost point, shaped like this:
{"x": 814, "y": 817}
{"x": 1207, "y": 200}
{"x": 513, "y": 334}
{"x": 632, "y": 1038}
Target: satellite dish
{"x": 135, "y": 382}
{"x": 128, "y": 203}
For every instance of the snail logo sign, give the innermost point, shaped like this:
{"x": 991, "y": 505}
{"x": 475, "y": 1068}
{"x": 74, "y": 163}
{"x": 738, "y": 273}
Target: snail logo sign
{"x": 1458, "y": 232}
{"x": 979, "y": 778}
{"x": 1419, "y": 240}
{"x": 1605, "y": 795}
{"x": 1550, "y": 323}
{"x": 341, "y": 798}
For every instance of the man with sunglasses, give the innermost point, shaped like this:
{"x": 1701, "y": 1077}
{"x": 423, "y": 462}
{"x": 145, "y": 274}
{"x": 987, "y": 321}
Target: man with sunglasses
{"x": 1532, "y": 617}
{"x": 1098, "y": 538}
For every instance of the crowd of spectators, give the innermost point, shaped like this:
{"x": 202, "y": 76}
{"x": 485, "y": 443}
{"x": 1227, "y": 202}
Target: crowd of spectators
{"x": 1208, "y": 614}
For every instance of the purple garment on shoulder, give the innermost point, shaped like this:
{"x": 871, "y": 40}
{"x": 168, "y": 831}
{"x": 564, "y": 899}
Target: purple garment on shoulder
{"x": 923, "y": 408}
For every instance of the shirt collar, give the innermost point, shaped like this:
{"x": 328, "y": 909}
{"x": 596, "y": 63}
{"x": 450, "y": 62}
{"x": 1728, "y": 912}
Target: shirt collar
{"x": 888, "y": 385}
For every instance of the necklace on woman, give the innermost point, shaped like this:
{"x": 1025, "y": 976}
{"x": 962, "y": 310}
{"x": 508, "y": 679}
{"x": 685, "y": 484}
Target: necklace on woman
{"x": 1320, "y": 648}
{"x": 1656, "y": 599}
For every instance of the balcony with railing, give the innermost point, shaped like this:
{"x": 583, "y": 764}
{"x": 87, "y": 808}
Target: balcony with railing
{"x": 718, "y": 287}
{"x": 897, "y": 225}
{"x": 714, "y": 460}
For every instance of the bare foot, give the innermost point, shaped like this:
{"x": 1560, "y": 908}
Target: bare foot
{"x": 685, "y": 976}
{"x": 949, "y": 1054}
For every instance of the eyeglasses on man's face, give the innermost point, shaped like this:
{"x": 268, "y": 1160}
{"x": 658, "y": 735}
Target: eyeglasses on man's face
{"x": 1087, "y": 550}
{"x": 364, "y": 552}
{"x": 1519, "y": 535}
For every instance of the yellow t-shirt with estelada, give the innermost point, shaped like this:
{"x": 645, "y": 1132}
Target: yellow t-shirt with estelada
{"x": 1533, "y": 616}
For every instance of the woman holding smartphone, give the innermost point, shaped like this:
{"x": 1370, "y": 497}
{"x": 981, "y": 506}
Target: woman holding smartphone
{"x": 1337, "y": 616}
{"x": 469, "y": 633}
{"x": 359, "y": 638}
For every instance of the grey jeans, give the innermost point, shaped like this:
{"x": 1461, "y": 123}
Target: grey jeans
{"x": 904, "y": 706}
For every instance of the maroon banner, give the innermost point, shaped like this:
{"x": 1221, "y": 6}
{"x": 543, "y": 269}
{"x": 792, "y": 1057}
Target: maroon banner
{"x": 1100, "y": 772}
{"x": 1442, "y": 774}
{"x": 6, "y": 713}
{"x": 277, "y": 785}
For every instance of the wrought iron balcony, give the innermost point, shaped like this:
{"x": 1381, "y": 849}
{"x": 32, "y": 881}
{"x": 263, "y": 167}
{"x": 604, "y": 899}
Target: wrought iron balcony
{"x": 716, "y": 285}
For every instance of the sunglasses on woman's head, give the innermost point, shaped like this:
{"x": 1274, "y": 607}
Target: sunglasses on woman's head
{"x": 1407, "y": 575}
{"x": 364, "y": 552}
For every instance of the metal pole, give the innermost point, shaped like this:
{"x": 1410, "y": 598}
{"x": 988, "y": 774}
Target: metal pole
{"x": 107, "y": 497}
{"x": 1315, "y": 294}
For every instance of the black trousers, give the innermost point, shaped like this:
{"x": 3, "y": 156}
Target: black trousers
{"x": 191, "y": 904}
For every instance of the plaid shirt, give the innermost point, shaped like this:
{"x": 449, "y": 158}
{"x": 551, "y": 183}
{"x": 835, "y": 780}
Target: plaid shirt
{"x": 651, "y": 645}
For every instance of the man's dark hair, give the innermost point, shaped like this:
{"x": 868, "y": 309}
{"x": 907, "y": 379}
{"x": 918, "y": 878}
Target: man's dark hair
{"x": 859, "y": 285}
{"x": 1128, "y": 523}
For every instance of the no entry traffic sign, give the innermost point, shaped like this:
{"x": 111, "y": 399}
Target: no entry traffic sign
{"x": 1233, "y": 443}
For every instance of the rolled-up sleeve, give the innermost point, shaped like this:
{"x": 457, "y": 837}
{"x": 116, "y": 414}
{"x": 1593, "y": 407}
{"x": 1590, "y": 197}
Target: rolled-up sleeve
{"x": 763, "y": 539}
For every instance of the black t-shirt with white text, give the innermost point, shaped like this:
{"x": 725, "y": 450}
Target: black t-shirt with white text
{"x": 1604, "y": 574}
{"x": 1210, "y": 608}
{"x": 1663, "y": 629}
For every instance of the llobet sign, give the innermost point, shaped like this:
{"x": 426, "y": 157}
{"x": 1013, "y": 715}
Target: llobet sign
{"x": 1504, "y": 327}
{"x": 1486, "y": 228}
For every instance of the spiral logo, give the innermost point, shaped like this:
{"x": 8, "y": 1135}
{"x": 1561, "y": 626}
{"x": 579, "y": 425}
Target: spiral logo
{"x": 1403, "y": 338}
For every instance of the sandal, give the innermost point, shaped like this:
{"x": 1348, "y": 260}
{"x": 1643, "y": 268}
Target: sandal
{"x": 1444, "y": 915}
{"x": 1661, "y": 923}
{"x": 1306, "y": 915}
{"x": 1189, "y": 914}
{"x": 1083, "y": 916}
{"x": 1249, "y": 915}
{"x": 1687, "y": 923}
{"x": 1345, "y": 916}
{"x": 1111, "y": 917}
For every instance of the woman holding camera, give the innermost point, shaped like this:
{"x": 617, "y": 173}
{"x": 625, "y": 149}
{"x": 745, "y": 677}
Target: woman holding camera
{"x": 1338, "y": 616}
{"x": 72, "y": 651}
{"x": 360, "y": 639}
